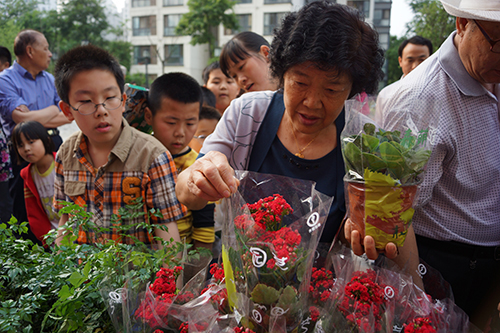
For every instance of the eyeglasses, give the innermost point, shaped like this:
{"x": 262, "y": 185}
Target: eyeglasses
{"x": 495, "y": 46}
{"x": 89, "y": 107}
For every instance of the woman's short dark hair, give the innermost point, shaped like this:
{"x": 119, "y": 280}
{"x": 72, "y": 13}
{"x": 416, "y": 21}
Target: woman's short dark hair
{"x": 239, "y": 48}
{"x": 333, "y": 37}
{"x": 32, "y": 130}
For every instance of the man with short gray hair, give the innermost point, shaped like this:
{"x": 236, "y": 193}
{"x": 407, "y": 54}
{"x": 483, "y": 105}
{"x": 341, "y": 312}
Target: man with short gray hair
{"x": 27, "y": 92}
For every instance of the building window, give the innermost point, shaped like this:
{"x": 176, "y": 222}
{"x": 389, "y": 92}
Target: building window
{"x": 167, "y": 3}
{"x": 362, "y": 5}
{"x": 144, "y": 26}
{"x": 271, "y": 21}
{"x": 245, "y": 22}
{"x": 277, "y": 1}
{"x": 381, "y": 17}
{"x": 145, "y": 54}
{"x": 143, "y": 3}
{"x": 169, "y": 24}
{"x": 174, "y": 55}
{"x": 243, "y": 1}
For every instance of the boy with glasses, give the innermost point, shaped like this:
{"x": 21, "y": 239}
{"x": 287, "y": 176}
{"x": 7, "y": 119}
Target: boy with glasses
{"x": 109, "y": 165}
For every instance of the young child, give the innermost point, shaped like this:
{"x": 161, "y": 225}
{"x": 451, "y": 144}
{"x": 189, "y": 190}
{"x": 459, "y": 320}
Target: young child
{"x": 209, "y": 117}
{"x": 175, "y": 101}
{"x": 108, "y": 164}
{"x": 208, "y": 97}
{"x": 245, "y": 58}
{"x": 32, "y": 144}
{"x": 224, "y": 88}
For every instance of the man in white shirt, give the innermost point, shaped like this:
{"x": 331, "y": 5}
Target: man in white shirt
{"x": 411, "y": 53}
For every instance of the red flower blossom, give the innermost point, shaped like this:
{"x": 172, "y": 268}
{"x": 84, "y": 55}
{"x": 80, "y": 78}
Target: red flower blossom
{"x": 420, "y": 325}
{"x": 362, "y": 298}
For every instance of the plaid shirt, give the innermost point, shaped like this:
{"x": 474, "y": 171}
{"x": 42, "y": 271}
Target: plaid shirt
{"x": 138, "y": 166}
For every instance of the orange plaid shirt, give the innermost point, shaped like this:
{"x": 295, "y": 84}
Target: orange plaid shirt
{"x": 138, "y": 166}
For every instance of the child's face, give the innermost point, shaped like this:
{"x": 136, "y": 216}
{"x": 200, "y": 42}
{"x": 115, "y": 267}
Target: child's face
{"x": 103, "y": 127}
{"x": 205, "y": 128}
{"x": 252, "y": 73}
{"x": 224, "y": 88}
{"x": 31, "y": 151}
{"x": 4, "y": 65}
{"x": 174, "y": 124}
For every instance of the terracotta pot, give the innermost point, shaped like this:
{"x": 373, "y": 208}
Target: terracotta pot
{"x": 389, "y": 224}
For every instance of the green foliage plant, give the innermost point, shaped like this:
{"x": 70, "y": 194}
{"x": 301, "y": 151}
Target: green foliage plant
{"x": 58, "y": 289}
{"x": 403, "y": 158}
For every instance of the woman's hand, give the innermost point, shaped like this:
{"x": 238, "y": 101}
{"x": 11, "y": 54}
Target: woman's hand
{"x": 209, "y": 178}
{"x": 360, "y": 246}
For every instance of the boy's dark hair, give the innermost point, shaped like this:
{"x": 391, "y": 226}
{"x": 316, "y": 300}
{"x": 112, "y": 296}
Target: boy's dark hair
{"x": 207, "y": 70}
{"x": 177, "y": 86}
{"x": 32, "y": 130}
{"x": 84, "y": 58}
{"x": 208, "y": 112}
{"x": 417, "y": 40}
{"x": 332, "y": 37}
{"x": 240, "y": 48}
{"x": 208, "y": 97}
{"x": 23, "y": 39}
{"x": 5, "y": 55}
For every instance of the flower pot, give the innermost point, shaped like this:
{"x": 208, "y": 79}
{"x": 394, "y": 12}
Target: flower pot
{"x": 381, "y": 211}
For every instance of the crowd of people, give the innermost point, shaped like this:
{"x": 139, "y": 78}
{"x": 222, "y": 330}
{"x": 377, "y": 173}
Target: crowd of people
{"x": 271, "y": 108}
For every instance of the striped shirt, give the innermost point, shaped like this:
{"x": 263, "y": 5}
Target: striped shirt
{"x": 138, "y": 167}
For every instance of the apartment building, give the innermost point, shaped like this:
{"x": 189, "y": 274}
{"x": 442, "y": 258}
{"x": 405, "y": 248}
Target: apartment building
{"x": 158, "y": 50}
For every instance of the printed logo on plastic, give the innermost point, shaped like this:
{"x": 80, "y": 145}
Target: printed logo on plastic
{"x": 259, "y": 256}
{"x": 313, "y": 222}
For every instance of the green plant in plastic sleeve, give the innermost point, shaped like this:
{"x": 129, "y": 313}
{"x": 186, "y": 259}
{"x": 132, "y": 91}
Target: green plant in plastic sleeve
{"x": 383, "y": 171}
{"x": 269, "y": 239}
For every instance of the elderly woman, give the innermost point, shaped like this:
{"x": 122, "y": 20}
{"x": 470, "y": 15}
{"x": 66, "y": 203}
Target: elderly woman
{"x": 321, "y": 55}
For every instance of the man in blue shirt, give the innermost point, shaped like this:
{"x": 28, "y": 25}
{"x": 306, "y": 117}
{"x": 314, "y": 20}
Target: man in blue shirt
{"x": 27, "y": 92}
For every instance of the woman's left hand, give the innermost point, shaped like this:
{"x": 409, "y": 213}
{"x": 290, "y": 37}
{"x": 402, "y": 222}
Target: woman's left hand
{"x": 366, "y": 245}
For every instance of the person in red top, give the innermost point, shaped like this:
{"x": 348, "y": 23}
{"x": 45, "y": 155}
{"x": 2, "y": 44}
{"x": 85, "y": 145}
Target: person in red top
{"x": 33, "y": 144}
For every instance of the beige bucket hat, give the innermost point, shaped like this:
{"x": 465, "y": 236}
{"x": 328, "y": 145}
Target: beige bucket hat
{"x": 486, "y": 10}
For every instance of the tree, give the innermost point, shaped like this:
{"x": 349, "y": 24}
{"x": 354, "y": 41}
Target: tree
{"x": 8, "y": 32}
{"x": 82, "y": 21}
{"x": 15, "y": 15}
{"x": 121, "y": 50}
{"x": 203, "y": 19}
{"x": 393, "y": 71}
{"x": 431, "y": 21}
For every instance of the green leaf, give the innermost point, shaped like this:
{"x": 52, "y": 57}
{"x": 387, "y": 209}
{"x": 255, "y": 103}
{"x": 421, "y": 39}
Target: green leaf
{"x": 64, "y": 293}
{"x": 287, "y": 297}
{"x": 393, "y": 158}
{"x": 353, "y": 155}
{"x": 375, "y": 162}
{"x": 76, "y": 279}
{"x": 369, "y": 143}
{"x": 263, "y": 294}
{"x": 369, "y": 128}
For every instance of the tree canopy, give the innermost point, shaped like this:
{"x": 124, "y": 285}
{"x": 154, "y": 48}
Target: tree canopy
{"x": 431, "y": 21}
{"x": 79, "y": 21}
{"x": 203, "y": 19}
